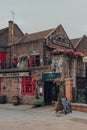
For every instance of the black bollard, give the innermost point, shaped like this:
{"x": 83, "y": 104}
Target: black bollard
{"x": 86, "y": 95}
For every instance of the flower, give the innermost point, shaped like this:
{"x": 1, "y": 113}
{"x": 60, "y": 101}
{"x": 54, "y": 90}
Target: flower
{"x": 69, "y": 52}
{"x": 58, "y": 51}
{"x": 23, "y": 57}
{"x": 59, "y": 81}
{"x": 79, "y": 54}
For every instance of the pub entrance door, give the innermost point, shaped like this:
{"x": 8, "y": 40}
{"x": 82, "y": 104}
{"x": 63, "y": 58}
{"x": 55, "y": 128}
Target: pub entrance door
{"x": 50, "y": 92}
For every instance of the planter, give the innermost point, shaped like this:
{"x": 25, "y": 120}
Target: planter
{"x": 23, "y": 64}
{"x": 2, "y": 99}
{"x": 38, "y": 102}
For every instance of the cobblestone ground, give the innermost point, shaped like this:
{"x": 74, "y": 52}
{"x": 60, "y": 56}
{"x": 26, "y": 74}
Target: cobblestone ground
{"x": 43, "y": 118}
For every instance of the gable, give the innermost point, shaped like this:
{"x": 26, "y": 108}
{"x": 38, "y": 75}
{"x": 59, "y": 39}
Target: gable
{"x": 82, "y": 45}
{"x": 59, "y": 37}
{"x": 75, "y": 42}
{"x": 3, "y": 37}
{"x": 17, "y": 33}
{"x": 10, "y": 34}
{"x": 18, "y": 29}
{"x": 3, "y": 30}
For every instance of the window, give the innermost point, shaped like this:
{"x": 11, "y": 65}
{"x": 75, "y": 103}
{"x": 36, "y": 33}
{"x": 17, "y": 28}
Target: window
{"x": 2, "y": 60}
{"x": 34, "y": 60}
{"x": 28, "y": 85}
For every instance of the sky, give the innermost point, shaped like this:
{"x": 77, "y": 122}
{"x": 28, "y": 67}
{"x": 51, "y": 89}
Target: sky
{"x": 38, "y": 15}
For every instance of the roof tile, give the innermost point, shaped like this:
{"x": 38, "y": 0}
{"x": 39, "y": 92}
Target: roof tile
{"x": 35, "y": 36}
{"x": 75, "y": 41}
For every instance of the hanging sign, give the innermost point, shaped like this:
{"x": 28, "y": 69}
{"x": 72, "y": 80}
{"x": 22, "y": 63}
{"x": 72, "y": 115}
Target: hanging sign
{"x": 85, "y": 59}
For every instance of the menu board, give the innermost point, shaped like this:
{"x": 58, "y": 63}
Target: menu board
{"x": 66, "y": 105}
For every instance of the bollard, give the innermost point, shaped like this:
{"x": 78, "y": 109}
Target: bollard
{"x": 86, "y": 95}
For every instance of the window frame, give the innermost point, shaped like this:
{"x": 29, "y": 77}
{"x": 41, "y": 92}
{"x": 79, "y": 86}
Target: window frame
{"x": 33, "y": 60}
{"x": 26, "y": 80}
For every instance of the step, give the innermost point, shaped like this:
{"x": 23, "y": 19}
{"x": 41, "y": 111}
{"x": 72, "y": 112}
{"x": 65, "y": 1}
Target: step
{"x": 79, "y": 107}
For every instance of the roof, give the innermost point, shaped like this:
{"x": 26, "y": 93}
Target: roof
{"x": 15, "y": 25}
{"x": 35, "y": 36}
{"x": 58, "y": 47}
{"x": 75, "y": 41}
{"x": 3, "y": 30}
{"x": 45, "y": 34}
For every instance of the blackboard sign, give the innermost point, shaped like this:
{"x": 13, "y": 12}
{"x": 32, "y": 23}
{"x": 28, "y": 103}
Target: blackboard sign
{"x": 66, "y": 105}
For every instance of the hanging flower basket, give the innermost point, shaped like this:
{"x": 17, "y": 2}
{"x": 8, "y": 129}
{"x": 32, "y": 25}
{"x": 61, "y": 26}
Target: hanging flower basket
{"x": 57, "y": 51}
{"x": 69, "y": 52}
{"x": 23, "y": 57}
{"x": 59, "y": 81}
{"x": 78, "y": 54}
{"x": 23, "y": 61}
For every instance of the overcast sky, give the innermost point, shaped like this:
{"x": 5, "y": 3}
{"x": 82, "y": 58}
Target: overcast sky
{"x": 37, "y": 15}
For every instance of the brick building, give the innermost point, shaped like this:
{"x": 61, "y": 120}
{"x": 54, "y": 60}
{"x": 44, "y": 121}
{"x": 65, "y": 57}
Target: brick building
{"x": 80, "y": 44}
{"x": 41, "y": 66}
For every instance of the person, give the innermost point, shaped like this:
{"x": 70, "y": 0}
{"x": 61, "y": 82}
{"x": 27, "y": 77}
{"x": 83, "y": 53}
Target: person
{"x": 60, "y": 83}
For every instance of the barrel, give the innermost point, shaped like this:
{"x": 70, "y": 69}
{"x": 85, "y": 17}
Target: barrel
{"x": 2, "y": 99}
{"x": 16, "y": 100}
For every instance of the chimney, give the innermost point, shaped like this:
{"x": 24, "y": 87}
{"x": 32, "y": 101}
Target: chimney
{"x": 10, "y": 32}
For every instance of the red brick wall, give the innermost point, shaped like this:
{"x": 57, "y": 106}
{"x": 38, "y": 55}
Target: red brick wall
{"x": 27, "y": 48}
{"x": 13, "y": 85}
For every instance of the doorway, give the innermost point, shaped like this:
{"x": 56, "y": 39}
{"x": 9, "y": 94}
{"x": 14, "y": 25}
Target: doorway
{"x": 50, "y": 92}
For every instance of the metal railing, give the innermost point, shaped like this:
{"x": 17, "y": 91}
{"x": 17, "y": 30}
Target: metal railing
{"x": 7, "y": 65}
{"x": 12, "y": 64}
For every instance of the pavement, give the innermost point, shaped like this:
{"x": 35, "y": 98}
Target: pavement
{"x": 50, "y": 110}
{"x": 43, "y": 118}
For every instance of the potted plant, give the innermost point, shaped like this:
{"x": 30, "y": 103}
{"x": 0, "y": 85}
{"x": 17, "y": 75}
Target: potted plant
{"x": 23, "y": 61}
{"x": 69, "y": 52}
{"x": 22, "y": 57}
{"x": 79, "y": 54}
{"x": 38, "y": 101}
